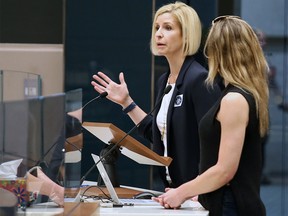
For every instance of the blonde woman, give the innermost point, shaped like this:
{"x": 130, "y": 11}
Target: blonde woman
{"x": 231, "y": 131}
{"x": 173, "y": 128}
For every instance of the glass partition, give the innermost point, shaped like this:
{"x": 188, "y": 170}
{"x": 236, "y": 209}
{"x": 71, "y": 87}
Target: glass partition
{"x": 20, "y": 130}
{"x": 32, "y": 133}
{"x": 73, "y": 143}
{"x": 42, "y": 137}
{"x": 24, "y": 84}
{"x": 20, "y": 146}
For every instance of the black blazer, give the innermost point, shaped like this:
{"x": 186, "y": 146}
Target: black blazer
{"x": 191, "y": 99}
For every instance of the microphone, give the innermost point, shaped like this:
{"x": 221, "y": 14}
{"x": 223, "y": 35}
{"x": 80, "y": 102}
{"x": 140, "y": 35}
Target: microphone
{"x": 166, "y": 91}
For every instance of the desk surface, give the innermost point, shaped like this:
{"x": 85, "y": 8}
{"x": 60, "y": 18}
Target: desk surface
{"x": 188, "y": 208}
{"x": 94, "y": 208}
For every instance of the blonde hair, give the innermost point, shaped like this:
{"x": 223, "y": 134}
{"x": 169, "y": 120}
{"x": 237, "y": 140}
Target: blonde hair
{"x": 189, "y": 23}
{"x": 234, "y": 52}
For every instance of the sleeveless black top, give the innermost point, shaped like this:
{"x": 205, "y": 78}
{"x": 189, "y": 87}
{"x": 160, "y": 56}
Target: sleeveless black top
{"x": 245, "y": 185}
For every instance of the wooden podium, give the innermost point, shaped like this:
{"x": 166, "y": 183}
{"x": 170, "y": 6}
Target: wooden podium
{"x": 109, "y": 133}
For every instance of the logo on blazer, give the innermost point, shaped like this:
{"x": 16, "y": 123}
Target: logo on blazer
{"x": 178, "y": 100}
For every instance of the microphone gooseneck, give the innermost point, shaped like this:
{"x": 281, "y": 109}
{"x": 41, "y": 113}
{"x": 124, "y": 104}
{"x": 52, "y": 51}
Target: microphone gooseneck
{"x": 166, "y": 91}
{"x": 102, "y": 95}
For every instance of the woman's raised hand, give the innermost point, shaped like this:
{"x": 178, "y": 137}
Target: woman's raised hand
{"x": 117, "y": 93}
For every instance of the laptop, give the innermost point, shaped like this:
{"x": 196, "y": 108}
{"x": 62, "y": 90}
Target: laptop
{"x": 115, "y": 199}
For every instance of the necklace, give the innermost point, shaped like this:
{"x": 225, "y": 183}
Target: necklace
{"x": 163, "y": 113}
{"x": 163, "y": 129}
{"x": 164, "y": 110}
